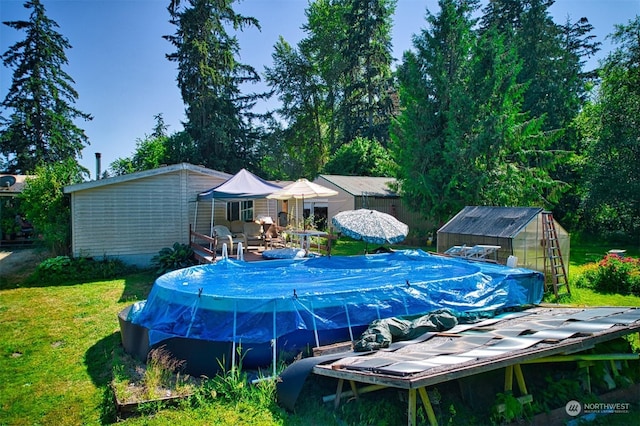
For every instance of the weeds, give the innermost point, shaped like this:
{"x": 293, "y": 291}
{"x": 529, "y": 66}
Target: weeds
{"x": 134, "y": 382}
{"x": 233, "y": 385}
{"x": 508, "y": 408}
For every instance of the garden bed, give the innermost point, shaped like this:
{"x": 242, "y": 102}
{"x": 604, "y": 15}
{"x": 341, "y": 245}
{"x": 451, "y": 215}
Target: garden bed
{"x": 159, "y": 383}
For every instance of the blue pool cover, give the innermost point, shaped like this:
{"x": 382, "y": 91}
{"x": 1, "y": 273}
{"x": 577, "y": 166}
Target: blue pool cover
{"x": 259, "y": 302}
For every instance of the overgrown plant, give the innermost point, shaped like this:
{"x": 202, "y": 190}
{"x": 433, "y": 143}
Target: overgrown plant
{"x": 507, "y": 408}
{"x": 163, "y": 372}
{"x": 171, "y": 258}
{"x": 47, "y": 207}
{"x": 233, "y": 385}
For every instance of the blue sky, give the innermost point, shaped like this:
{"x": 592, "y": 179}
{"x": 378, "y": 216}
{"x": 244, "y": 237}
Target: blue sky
{"x": 123, "y": 79}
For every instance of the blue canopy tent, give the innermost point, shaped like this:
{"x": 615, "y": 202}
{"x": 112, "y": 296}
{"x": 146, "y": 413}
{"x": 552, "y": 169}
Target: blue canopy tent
{"x": 242, "y": 185}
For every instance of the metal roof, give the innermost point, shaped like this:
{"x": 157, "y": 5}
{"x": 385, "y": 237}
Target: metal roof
{"x": 501, "y": 222}
{"x": 372, "y": 186}
{"x": 144, "y": 174}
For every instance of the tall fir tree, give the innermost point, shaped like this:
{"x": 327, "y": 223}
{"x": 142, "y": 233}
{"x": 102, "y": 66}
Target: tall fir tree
{"x": 219, "y": 117}
{"x": 429, "y": 135}
{"x": 511, "y": 158}
{"x": 553, "y": 56}
{"x": 367, "y": 106}
{"x": 41, "y": 124}
{"x": 463, "y": 137}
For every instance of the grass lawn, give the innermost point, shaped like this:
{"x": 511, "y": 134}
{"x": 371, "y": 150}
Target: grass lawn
{"x": 57, "y": 344}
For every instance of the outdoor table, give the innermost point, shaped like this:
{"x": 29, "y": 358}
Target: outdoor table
{"x": 304, "y": 237}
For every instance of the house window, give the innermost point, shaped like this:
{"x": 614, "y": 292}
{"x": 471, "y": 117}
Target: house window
{"x": 240, "y": 210}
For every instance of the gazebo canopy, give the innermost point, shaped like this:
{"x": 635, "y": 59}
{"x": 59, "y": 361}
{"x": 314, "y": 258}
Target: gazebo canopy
{"x": 243, "y": 184}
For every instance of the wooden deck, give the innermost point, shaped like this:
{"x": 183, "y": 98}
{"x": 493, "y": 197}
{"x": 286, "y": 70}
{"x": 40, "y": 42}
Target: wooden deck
{"x": 537, "y": 335}
{"x": 200, "y": 244}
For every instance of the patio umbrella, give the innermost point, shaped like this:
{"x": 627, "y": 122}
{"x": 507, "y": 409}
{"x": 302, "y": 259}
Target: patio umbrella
{"x": 302, "y": 189}
{"x": 370, "y": 226}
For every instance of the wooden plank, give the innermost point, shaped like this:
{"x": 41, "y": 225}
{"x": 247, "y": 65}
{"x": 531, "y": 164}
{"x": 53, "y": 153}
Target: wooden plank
{"x": 332, "y": 349}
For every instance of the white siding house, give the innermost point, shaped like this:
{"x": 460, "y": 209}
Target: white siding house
{"x": 133, "y": 216}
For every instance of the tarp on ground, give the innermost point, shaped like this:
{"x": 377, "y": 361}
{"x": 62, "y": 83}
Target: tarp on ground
{"x": 381, "y": 333}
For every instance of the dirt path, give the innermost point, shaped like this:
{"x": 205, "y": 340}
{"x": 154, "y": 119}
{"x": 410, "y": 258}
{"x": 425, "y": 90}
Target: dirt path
{"x": 20, "y": 261}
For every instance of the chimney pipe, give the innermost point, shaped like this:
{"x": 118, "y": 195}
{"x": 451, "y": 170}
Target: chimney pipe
{"x": 98, "y": 155}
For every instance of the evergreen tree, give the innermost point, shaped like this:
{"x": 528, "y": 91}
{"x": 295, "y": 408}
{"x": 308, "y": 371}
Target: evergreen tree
{"x": 552, "y": 56}
{"x": 511, "y": 160}
{"x": 209, "y": 75}
{"x": 463, "y": 137}
{"x": 40, "y": 127}
{"x": 429, "y": 142}
{"x": 366, "y": 54}
{"x": 612, "y": 200}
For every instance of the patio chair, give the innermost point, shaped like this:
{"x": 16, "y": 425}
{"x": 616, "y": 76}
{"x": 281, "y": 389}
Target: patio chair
{"x": 226, "y": 236}
{"x": 253, "y": 233}
{"x": 273, "y": 239}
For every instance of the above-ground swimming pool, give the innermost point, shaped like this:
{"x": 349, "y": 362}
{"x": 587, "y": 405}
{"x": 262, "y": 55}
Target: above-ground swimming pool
{"x": 201, "y": 313}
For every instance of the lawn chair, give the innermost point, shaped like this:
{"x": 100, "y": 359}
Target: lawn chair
{"x": 226, "y": 236}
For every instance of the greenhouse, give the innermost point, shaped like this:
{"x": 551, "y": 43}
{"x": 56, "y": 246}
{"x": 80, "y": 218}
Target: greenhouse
{"x": 514, "y": 231}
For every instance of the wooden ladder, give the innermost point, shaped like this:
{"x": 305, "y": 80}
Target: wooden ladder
{"x": 555, "y": 273}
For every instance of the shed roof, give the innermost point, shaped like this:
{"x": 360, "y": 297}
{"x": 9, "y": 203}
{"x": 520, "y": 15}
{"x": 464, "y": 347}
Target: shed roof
{"x": 144, "y": 174}
{"x": 501, "y": 222}
{"x": 363, "y": 185}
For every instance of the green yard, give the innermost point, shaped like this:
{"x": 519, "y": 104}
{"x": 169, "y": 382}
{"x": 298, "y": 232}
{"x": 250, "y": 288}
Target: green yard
{"x": 58, "y": 343}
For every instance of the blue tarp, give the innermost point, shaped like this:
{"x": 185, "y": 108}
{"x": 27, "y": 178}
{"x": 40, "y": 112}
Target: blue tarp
{"x": 255, "y": 302}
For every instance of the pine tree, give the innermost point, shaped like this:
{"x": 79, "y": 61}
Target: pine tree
{"x": 40, "y": 127}
{"x": 209, "y": 76}
{"x": 430, "y": 138}
{"x": 366, "y": 52}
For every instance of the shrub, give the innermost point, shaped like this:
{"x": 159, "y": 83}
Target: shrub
{"x": 66, "y": 270}
{"x": 171, "y": 258}
{"x": 47, "y": 207}
{"x": 613, "y": 274}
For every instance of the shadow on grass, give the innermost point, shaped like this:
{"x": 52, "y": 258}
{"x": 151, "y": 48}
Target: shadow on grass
{"x": 99, "y": 360}
{"x": 137, "y": 286}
